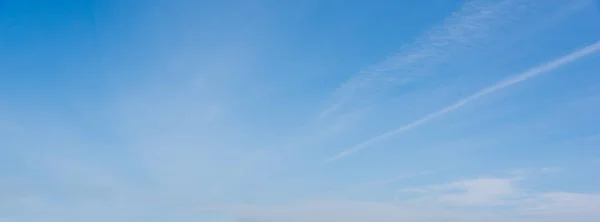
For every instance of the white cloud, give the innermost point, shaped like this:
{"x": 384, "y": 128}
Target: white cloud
{"x": 567, "y": 203}
{"x": 550, "y": 169}
{"x": 479, "y": 199}
{"x": 349, "y": 211}
{"x": 360, "y": 211}
{"x": 526, "y": 172}
{"x": 483, "y": 191}
{"x": 472, "y": 192}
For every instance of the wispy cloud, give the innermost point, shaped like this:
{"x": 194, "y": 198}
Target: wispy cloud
{"x": 480, "y": 191}
{"x": 469, "y": 29}
{"x": 547, "y": 67}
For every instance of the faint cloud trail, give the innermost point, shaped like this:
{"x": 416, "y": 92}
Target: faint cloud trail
{"x": 467, "y": 29}
{"x": 549, "y": 66}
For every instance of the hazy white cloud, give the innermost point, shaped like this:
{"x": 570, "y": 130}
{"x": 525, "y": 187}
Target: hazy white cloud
{"x": 567, "y": 203}
{"x": 465, "y": 200}
{"x": 483, "y": 191}
{"x": 473, "y": 192}
{"x": 350, "y": 211}
{"x": 526, "y": 172}
{"x": 359, "y": 211}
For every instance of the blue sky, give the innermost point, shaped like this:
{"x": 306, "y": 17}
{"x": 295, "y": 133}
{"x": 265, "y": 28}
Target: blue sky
{"x": 304, "y": 111}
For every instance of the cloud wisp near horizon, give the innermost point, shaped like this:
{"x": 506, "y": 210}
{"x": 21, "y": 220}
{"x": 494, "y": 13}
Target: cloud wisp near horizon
{"x": 225, "y": 111}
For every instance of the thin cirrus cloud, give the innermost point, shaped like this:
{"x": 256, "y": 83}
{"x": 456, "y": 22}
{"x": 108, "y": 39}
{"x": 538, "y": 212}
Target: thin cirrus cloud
{"x": 471, "y": 28}
{"x": 533, "y": 72}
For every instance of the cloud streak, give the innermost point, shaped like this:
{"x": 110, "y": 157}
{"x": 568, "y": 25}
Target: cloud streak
{"x": 472, "y": 27}
{"x": 547, "y": 67}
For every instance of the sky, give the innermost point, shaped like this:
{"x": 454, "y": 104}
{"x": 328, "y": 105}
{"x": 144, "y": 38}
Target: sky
{"x": 299, "y": 111}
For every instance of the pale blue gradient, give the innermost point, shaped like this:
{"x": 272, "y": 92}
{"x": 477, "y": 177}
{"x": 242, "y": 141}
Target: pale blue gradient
{"x": 238, "y": 110}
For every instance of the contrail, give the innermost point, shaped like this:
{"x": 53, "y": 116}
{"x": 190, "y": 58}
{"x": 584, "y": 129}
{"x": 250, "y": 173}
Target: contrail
{"x": 549, "y": 66}
{"x": 468, "y": 29}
